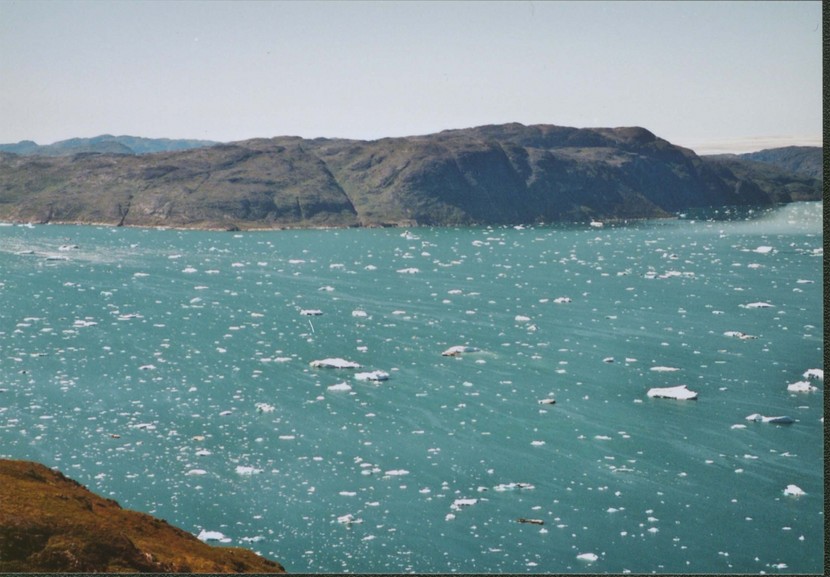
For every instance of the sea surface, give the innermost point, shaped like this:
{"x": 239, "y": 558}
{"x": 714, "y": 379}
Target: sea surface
{"x": 172, "y": 371}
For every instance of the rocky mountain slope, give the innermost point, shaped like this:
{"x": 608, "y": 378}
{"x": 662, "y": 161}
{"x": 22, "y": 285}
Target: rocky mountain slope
{"x": 49, "y": 524}
{"x": 495, "y": 175}
{"x": 802, "y": 160}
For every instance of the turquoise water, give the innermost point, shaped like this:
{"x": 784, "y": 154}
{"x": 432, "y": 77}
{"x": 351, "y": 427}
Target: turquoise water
{"x": 170, "y": 370}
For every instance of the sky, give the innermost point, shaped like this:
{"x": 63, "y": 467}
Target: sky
{"x": 714, "y": 76}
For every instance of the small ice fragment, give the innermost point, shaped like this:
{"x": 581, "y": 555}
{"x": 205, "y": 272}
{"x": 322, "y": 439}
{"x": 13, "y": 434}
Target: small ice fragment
{"x": 458, "y": 349}
{"x": 336, "y": 363}
{"x": 763, "y": 249}
{"x": 537, "y": 443}
{"x": 147, "y": 368}
{"x": 814, "y": 374}
{"x": 608, "y": 360}
{"x": 782, "y": 420}
{"x": 664, "y": 369}
{"x": 397, "y": 472}
{"x": 758, "y": 305}
{"x": 411, "y": 270}
{"x": 739, "y": 335}
{"x": 547, "y": 401}
{"x": 265, "y": 408}
{"x": 348, "y": 519}
{"x": 522, "y": 319}
{"x": 311, "y": 312}
{"x": 794, "y": 491}
{"x": 562, "y": 300}
{"x": 359, "y": 313}
{"x": 680, "y": 392}
{"x": 372, "y": 376}
{"x": 458, "y": 503}
{"x": 196, "y": 472}
{"x": 590, "y": 557}
{"x": 340, "y": 387}
{"x": 530, "y": 521}
{"x": 244, "y": 470}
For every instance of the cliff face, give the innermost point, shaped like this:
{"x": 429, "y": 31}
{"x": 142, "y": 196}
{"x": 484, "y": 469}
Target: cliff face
{"x": 507, "y": 174}
{"x": 49, "y": 523}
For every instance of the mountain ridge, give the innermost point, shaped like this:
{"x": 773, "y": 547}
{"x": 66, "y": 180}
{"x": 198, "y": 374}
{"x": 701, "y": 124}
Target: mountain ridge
{"x": 487, "y": 175}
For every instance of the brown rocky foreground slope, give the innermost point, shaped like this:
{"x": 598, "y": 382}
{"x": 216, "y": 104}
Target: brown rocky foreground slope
{"x": 50, "y": 523}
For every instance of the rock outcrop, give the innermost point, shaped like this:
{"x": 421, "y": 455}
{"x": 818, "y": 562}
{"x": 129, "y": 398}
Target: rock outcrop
{"x": 51, "y": 524}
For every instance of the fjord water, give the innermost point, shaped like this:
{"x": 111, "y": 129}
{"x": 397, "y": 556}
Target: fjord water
{"x": 170, "y": 370}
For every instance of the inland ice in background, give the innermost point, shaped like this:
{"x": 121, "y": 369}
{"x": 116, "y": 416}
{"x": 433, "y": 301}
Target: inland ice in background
{"x": 175, "y": 372}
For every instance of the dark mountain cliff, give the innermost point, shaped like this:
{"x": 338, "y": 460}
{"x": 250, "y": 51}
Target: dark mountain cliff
{"x": 51, "y": 524}
{"x": 505, "y": 174}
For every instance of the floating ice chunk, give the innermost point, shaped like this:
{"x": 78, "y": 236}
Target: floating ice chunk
{"x": 189, "y": 270}
{"x": 340, "y": 387}
{"x": 680, "y": 392}
{"x": 336, "y": 363}
{"x": 349, "y": 519}
{"x": 758, "y": 418}
{"x": 410, "y": 270}
{"x": 664, "y": 369}
{"x": 537, "y": 443}
{"x": 372, "y": 376}
{"x": 265, "y": 408}
{"x": 359, "y": 313}
{"x": 739, "y": 335}
{"x": 763, "y": 249}
{"x": 562, "y": 300}
{"x": 547, "y": 401}
{"x": 608, "y": 360}
{"x": 522, "y": 319}
{"x": 511, "y": 486}
{"x": 794, "y": 491}
{"x": 397, "y": 472}
{"x": 801, "y": 387}
{"x": 311, "y": 312}
{"x": 459, "y": 503}
{"x": 738, "y": 426}
{"x": 814, "y": 374}
{"x": 590, "y": 557}
{"x": 193, "y": 472}
{"x": 458, "y": 349}
{"x": 530, "y": 521}
{"x": 449, "y": 517}
{"x": 245, "y": 470}
{"x": 758, "y": 305}
{"x": 213, "y": 536}
{"x": 329, "y": 289}
{"x": 596, "y": 224}
{"x": 147, "y": 368}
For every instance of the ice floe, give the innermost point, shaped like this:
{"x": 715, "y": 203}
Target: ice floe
{"x": 590, "y": 557}
{"x": 458, "y": 349}
{"x": 680, "y": 392}
{"x": 512, "y": 486}
{"x": 794, "y": 491}
{"x": 759, "y": 418}
{"x": 814, "y": 374}
{"x": 372, "y": 376}
{"x": 340, "y": 387}
{"x": 349, "y": 519}
{"x": 265, "y": 408}
{"x": 311, "y": 312}
{"x": 739, "y": 335}
{"x": 335, "y": 363}
{"x": 547, "y": 401}
{"x": 213, "y": 536}
{"x": 562, "y": 300}
{"x": 801, "y": 387}
{"x": 757, "y": 305}
{"x": 459, "y": 503}
{"x": 664, "y": 369}
{"x": 246, "y": 470}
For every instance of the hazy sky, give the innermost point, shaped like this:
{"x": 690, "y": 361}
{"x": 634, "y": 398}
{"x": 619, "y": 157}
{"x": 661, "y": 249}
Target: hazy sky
{"x": 709, "y": 75}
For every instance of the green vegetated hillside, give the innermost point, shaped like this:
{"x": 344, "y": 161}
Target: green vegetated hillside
{"x": 504, "y": 174}
{"x": 51, "y": 524}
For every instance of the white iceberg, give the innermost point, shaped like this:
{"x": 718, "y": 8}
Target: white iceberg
{"x": 680, "y": 392}
{"x": 664, "y": 369}
{"x": 397, "y": 472}
{"x": 212, "y": 536}
{"x": 587, "y": 557}
{"x": 372, "y": 376}
{"x": 336, "y": 363}
{"x": 245, "y": 470}
{"x": 340, "y": 387}
{"x": 814, "y": 374}
{"x": 801, "y": 387}
{"x": 562, "y": 300}
{"x": 739, "y": 335}
{"x": 511, "y": 486}
{"x": 265, "y": 408}
{"x": 758, "y": 305}
{"x": 411, "y": 270}
{"x": 794, "y": 491}
{"x": 349, "y": 519}
{"x": 759, "y": 418}
{"x": 311, "y": 312}
{"x": 458, "y": 503}
{"x": 763, "y": 249}
{"x": 547, "y": 401}
{"x": 458, "y": 349}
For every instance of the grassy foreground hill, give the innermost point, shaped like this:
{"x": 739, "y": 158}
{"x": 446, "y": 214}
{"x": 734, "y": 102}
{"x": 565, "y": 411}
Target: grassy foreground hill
{"x": 49, "y": 523}
{"x": 492, "y": 175}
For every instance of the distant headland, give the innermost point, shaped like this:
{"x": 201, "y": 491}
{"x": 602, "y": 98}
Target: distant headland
{"x": 489, "y": 175}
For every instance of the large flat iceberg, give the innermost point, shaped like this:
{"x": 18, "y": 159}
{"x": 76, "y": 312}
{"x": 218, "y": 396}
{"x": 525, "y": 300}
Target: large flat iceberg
{"x": 337, "y": 363}
{"x": 680, "y": 392}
